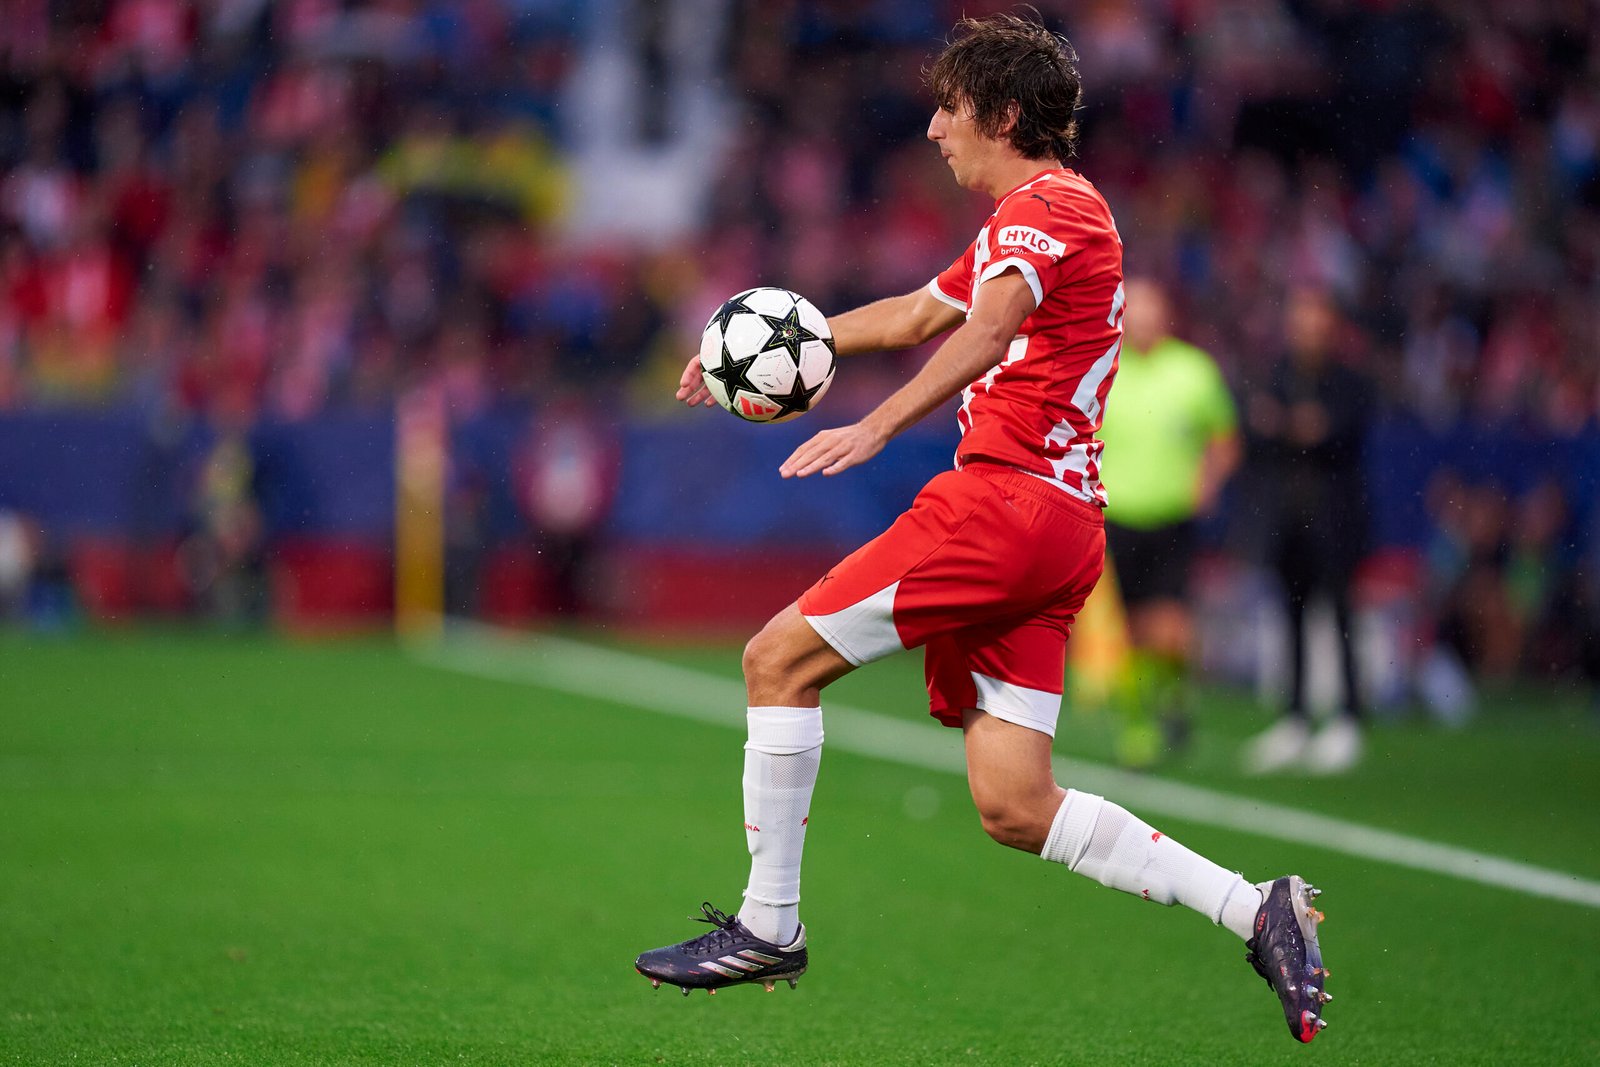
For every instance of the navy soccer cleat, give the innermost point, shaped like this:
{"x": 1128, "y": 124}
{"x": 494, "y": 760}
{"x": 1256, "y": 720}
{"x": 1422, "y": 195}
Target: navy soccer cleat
{"x": 1285, "y": 952}
{"x": 728, "y": 955}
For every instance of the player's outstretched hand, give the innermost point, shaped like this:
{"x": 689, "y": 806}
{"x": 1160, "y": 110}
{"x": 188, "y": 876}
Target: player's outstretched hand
{"x": 832, "y": 451}
{"x": 692, "y": 386}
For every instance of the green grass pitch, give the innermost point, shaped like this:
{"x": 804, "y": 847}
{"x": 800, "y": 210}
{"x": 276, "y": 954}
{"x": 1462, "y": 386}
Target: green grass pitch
{"x": 222, "y": 850}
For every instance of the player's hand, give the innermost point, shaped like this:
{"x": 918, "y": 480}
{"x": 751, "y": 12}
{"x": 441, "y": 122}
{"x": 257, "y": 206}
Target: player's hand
{"x": 832, "y": 451}
{"x": 692, "y": 386}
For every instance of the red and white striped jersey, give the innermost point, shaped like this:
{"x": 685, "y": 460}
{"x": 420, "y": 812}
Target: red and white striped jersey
{"x": 1039, "y": 408}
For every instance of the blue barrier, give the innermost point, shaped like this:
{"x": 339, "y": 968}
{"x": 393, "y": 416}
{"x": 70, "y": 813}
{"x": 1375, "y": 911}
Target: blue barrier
{"x": 694, "y": 481}
{"x": 96, "y": 472}
{"x": 715, "y": 481}
{"x": 122, "y": 473}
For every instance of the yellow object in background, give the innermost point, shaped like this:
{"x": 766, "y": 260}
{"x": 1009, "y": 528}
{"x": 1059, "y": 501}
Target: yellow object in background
{"x": 421, "y": 450}
{"x": 1099, "y": 653}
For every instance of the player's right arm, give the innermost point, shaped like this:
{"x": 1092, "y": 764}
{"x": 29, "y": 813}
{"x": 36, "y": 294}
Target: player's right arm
{"x": 893, "y": 323}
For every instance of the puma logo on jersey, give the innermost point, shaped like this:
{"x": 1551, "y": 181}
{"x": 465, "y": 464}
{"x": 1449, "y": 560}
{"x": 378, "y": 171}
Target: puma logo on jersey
{"x": 1026, "y": 238}
{"x": 1047, "y": 205}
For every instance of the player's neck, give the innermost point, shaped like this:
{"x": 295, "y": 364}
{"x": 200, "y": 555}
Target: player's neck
{"x": 1010, "y": 174}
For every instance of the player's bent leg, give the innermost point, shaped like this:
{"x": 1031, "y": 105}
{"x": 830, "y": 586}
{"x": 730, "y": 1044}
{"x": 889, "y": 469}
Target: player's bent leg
{"x": 1104, "y": 841}
{"x": 1101, "y": 840}
{"x": 1008, "y": 771}
{"x": 787, "y": 664}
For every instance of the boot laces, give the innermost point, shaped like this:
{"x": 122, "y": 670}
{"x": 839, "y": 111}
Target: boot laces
{"x": 722, "y": 935}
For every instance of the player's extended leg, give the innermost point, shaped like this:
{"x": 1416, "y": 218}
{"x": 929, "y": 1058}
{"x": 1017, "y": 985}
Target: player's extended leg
{"x": 786, "y": 666}
{"x": 1008, "y": 769}
{"x": 1022, "y": 806}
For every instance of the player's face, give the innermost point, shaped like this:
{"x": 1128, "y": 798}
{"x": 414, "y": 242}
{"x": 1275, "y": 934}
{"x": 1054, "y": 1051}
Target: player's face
{"x": 966, "y": 150}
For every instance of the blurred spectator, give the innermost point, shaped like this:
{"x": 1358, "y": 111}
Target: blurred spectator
{"x": 19, "y": 549}
{"x": 567, "y": 475}
{"x": 223, "y": 556}
{"x": 1443, "y": 681}
{"x": 1170, "y": 445}
{"x": 217, "y": 168}
{"x": 1306, "y": 427}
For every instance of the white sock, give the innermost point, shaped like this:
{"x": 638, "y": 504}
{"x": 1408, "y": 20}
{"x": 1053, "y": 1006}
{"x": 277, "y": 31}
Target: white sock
{"x": 780, "y": 770}
{"x": 1100, "y": 840}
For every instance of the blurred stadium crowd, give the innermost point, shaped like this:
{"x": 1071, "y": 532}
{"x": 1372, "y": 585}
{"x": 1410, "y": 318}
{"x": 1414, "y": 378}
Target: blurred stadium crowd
{"x": 240, "y": 210}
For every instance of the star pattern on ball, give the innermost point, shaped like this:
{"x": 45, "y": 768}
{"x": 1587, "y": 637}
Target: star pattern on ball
{"x": 734, "y": 374}
{"x": 797, "y": 399}
{"x": 788, "y": 332}
{"x": 726, "y": 312}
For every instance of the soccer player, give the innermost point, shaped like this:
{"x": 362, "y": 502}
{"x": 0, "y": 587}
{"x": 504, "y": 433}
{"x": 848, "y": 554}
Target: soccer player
{"x": 1171, "y": 442}
{"x": 989, "y": 566}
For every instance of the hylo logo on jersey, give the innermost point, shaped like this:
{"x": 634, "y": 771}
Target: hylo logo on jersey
{"x": 1032, "y": 240}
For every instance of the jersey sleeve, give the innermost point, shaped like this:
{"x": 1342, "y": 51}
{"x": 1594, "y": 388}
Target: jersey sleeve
{"x": 953, "y": 285}
{"x": 1033, "y": 236}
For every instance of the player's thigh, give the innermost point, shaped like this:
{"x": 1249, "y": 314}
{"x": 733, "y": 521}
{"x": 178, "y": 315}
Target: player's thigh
{"x": 973, "y": 548}
{"x": 787, "y": 656}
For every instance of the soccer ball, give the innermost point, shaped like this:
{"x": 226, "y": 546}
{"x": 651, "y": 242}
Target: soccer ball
{"x": 767, "y": 355}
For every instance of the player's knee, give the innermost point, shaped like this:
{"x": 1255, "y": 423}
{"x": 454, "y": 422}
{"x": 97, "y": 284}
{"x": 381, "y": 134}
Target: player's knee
{"x": 1013, "y": 824}
{"x": 766, "y": 661}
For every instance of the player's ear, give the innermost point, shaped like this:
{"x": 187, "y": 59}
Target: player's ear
{"x": 1013, "y": 116}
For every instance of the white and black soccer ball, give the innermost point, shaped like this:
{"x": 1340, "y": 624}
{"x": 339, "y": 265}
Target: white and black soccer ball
{"x": 767, "y": 355}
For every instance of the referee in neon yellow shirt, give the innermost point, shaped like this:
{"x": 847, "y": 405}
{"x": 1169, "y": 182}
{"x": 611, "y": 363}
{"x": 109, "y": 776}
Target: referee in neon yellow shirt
{"x": 1171, "y": 443}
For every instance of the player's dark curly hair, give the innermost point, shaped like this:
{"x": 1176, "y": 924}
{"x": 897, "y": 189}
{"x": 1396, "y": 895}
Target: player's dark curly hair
{"x": 1002, "y": 60}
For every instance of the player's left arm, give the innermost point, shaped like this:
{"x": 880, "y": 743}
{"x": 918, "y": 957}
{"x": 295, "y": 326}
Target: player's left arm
{"x": 895, "y": 323}
{"x": 998, "y": 311}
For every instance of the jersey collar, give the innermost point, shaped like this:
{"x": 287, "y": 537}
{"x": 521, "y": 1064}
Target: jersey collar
{"x": 1039, "y": 177}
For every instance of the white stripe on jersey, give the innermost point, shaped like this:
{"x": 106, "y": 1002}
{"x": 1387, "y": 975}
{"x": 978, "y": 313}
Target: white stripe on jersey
{"x": 1118, "y": 298}
{"x": 944, "y": 297}
{"x": 1082, "y": 459}
{"x": 1079, "y": 460}
{"x": 1086, "y": 399}
{"x": 980, "y": 259}
{"x": 1014, "y": 352}
{"x": 1029, "y": 275}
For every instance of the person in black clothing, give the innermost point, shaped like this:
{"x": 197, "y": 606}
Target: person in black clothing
{"x": 1306, "y": 429}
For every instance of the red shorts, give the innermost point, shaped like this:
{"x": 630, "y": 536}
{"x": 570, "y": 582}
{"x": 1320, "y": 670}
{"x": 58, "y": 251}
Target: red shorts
{"x": 987, "y": 569}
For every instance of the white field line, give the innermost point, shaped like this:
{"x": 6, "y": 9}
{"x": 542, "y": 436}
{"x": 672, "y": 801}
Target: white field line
{"x": 590, "y": 671}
